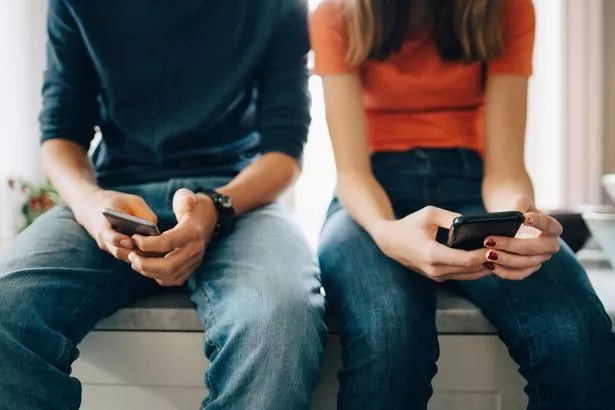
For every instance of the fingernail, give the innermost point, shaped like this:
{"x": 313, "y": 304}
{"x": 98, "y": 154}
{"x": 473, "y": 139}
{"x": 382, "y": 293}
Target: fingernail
{"x": 126, "y": 243}
{"x": 489, "y": 265}
{"x": 131, "y": 257}
{"x": 490, "y": 243}
{"x": 492, "y": 256}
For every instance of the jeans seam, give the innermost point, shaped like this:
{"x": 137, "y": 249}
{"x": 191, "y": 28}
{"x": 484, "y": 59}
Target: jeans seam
{"x": 212, "y": 319}
{"x": 525, "y": 337}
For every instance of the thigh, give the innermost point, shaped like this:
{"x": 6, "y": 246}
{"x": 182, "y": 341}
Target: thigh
{"x": 55, "y": 276}
{"x": 365, "y": 288}
{"x": 554, "y": 299}
{"x": 265, "y": 268}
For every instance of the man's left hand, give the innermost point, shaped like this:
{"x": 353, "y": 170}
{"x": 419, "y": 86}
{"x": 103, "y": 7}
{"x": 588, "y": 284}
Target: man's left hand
{"x": 182, "y": 247}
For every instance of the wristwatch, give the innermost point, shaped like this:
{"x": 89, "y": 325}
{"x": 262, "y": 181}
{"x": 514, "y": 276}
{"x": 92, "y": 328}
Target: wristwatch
{"x": 226, "y": 212}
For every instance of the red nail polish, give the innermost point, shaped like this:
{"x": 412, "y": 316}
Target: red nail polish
{"x": 492, "y": 256}
{"x": 489, "y": 265}
{"x": 490, "y": 243}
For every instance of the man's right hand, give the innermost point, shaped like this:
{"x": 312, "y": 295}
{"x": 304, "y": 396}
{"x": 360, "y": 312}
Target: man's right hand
{"x": 411, "y": 241}
{"x": 88, "y": 214}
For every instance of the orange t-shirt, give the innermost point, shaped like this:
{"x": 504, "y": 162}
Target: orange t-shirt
{"x": 414, "y": 99}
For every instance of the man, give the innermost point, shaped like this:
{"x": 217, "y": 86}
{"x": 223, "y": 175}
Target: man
{"x": 203, "y": 111}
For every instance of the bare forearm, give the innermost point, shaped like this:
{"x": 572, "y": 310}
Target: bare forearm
{"x": 70, "y": 170}
{"x": 365, "y": 200}
{"x": 501, "y": 192}
{"x": 263, "y": 182}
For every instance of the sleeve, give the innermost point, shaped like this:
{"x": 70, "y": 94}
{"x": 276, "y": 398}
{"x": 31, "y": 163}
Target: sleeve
{"x": 329, "y": 36}
{"x": 70, "y": 84}
{"x": 518, "y": 30}
{"x": 283, "y": 103}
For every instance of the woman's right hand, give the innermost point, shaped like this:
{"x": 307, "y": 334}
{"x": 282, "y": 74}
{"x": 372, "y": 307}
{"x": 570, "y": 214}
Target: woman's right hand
{"x": 88, "y": 214}
{"x": 411, "y": 241}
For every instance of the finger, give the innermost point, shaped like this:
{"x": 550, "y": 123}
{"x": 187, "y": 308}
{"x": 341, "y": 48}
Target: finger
{"x": 166, "y": 242}
{"x": 118, "y": 253}
{"x": 515, "y": 261}
{"x": 543, "y": 223}
{"x": 172, "y": 283}
{"x": 113, "y": 238}
{"x": 443, "y": 271}
{"x": 184, "y": 201}
{"x": 169, "y": 267}
{"x": 530, "y": 246}
{"x": 138, "y": 207}
{"x": 181, "y": 278}
{"x": 466, "y": 276}
{"x": 514, "y": 274}
{"x": 438, "y": 216}
{"x": 439, "y": 254}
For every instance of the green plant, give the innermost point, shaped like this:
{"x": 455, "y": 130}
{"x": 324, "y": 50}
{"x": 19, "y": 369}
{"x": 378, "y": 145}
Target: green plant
{"x": 38, "y": 199}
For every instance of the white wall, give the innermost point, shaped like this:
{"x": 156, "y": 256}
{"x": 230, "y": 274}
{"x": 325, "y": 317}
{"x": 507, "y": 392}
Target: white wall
{"x": 609, "y": 76}
{"x": 544, "y": 146}
{"x": 22, "y": 39}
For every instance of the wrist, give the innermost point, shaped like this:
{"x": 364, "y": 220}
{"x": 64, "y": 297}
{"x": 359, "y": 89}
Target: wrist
{"x": 379, "y": 231}
{"x": 210, "y": 215}
{"x": 86, "y": 198}
{"x": 226, "y": 215}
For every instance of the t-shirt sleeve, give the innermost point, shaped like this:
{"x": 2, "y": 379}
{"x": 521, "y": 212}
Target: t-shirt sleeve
{"x": 70, "y": 87}
{"x": 283, "y": 104}
{"x": 329, "y": 38}
{"x": 518, "y": 31}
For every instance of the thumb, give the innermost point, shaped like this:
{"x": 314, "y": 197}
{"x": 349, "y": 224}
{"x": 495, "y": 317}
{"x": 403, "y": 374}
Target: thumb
{"x": 524, "y": 204}
{"x": 184, "y": 201}
{"x": 440, "y": 217}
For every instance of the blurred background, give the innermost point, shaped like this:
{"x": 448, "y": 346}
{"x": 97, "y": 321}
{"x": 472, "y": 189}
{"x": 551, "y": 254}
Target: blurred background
{"x": 571, "y": 128}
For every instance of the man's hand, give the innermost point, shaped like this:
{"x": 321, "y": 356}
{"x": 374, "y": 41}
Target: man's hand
{"x": 183, "y": 246}
{"x": 88, "y": 214}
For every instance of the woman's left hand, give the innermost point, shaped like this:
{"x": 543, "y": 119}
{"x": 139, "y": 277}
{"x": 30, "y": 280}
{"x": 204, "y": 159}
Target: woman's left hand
{"x": 519, "y": 257}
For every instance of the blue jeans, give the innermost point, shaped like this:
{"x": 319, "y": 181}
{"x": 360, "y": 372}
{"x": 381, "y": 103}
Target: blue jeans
{"x": 257, "y": 293}
{"x": 553, "y": 323}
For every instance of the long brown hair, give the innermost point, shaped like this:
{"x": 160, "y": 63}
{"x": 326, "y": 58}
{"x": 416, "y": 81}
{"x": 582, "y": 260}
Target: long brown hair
{"x": 465, "y": 30}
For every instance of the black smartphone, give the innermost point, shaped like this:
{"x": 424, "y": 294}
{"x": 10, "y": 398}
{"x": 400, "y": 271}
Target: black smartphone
{"x": 130, "y": 224}
{"x": 468, "y": 232}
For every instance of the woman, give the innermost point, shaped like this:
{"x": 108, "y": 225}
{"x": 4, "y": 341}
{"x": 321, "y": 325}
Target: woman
{"x": 426, "y": 106}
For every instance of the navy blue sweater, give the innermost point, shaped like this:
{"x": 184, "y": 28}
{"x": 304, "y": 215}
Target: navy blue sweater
{"x": 177, "y": 88}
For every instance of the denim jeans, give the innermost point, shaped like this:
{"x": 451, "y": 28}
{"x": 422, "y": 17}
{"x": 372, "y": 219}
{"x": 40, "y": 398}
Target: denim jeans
{"x": 553, "y": 323}
{"x": 257, "y": 293}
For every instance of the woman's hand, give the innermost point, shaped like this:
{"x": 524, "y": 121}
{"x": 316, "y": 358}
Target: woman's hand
{"x": 411, "y": 241}
{"x": 537, "y": 240}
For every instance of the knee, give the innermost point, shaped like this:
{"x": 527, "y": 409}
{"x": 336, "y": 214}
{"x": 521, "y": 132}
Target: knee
{"x": 393, "y": 336}
{"x": 284, "y": 320}
{"x": 25, "y": 324}
{"x": 577, "y": 338}
{"x": 17, "y": 311}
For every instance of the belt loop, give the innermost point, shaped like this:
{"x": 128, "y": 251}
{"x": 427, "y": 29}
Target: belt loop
{"x": 420, "y": 153}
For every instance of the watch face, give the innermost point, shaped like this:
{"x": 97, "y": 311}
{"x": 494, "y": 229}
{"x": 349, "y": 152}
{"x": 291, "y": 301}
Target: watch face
{"x": 225, "y": 202}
